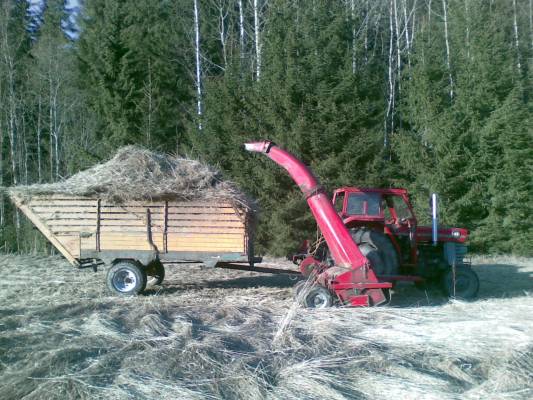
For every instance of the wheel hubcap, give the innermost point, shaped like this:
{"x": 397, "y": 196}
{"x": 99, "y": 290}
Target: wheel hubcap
{"x": 124, "y": 280}
{"x": 320, "y": 301}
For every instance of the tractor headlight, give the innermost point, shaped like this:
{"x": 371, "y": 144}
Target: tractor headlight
{"x": 456, "y": 234}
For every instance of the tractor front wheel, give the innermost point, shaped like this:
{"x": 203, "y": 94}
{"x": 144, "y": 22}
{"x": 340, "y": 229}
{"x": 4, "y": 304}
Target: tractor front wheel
{"x": 461, "y": 283}
{"x": 317, "y": 297}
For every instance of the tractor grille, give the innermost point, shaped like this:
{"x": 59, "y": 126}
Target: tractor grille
{"x": 455, "y": 253}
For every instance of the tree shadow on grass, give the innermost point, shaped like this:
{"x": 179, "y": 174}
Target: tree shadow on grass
{"x": 280, "y": 281}
{"x": 496, "y": 280}
{"x": 504, "y": 280}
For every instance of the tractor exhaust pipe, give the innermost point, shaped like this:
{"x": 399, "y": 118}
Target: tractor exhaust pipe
{"x": 434, "y": 220}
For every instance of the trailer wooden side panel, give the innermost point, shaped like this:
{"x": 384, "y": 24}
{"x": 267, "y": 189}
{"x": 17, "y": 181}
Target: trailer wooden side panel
{"x": 78, "y": 225}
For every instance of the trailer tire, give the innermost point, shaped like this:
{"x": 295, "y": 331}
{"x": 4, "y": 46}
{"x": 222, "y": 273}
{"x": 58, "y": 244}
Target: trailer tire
{"x": 379, "y": 250}
{"x": 317, "y": 297}
{"x": 156, "y": 273}
{"x": 463, "y": 283}
{"x": 126, "y": 278}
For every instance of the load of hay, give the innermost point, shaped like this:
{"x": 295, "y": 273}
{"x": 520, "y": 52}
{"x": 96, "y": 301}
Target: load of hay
{"x": 135, "y": 173}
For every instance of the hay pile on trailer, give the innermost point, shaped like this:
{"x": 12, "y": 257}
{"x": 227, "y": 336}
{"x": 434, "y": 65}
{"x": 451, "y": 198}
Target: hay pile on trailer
{"x": 135, "y": 173}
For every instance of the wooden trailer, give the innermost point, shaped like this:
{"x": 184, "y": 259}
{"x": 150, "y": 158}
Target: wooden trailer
{"x": 135, "y": 238}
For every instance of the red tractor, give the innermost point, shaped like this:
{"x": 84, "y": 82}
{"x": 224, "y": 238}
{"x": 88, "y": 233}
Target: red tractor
{"x": 371, "y": 240}
{"x": 383, "y": 225}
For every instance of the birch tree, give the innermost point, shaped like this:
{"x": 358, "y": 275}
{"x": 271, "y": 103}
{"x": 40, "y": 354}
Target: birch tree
{"x": 516, "y": 40}
{"x": 198, "y": 65}
{"x": 257, "y": 36}
{"x": 447, "y": 41}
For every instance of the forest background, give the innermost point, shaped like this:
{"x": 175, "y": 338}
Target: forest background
{"x": 431, "y": 95}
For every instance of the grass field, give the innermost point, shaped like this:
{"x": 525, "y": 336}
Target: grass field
{"x": 220, "y": 334}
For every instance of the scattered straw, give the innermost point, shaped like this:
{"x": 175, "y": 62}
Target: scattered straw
{"x": 208, "y": 334}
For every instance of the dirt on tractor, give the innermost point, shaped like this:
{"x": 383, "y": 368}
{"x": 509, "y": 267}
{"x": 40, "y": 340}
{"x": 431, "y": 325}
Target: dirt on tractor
{"x": 223, "y": 334}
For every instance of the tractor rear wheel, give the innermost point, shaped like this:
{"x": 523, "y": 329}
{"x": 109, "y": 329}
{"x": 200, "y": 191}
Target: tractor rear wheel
{"x": 378, "y": 249}
{"x": 461, "y": 283}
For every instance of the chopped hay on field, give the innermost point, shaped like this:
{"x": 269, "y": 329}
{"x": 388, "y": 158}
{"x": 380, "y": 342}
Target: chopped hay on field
{"x": 135, "y": 173}
{"x": 222, "y": 334}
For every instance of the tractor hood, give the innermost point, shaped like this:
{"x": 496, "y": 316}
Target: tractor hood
{"x": 457, "y": 235}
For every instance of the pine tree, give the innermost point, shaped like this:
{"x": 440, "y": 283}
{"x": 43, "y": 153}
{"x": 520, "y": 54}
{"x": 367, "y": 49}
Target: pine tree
{"x": 128, "y": 67}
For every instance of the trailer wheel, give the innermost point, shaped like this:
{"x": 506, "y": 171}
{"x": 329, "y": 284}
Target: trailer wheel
{"x": 156, "y": 273}
{"x": 127, "y": 278}
{"x": 461, "y": 283}
{"x": 317, "y": 297}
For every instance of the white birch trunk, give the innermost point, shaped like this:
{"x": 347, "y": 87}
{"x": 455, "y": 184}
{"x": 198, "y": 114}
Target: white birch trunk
{"x": 516, "y": 41}
{"x": 222, "y": 15}
{"x": 429, "y": 19}
{"x": 398, "y": 49}
{"x": 149, "y": 96}
{"x": 241, "y": 29}
{"x": 367, "y": 17}
{"x": 257, "y": 27}
{"x": 389, "y": 117}
{"x": 39, "y": 156}
{"x": 467, "y": 18}
{"x": 199, "y": 104}
{"x": 24, "y": 150}
{"x": 448, "y": 62}
{"x": 51, "y": 129}
{"x": 56, "y": 133}
{"x": 354, "y": 37}
{"x": 12, "y": 123}
{"x": 406, "y": 29}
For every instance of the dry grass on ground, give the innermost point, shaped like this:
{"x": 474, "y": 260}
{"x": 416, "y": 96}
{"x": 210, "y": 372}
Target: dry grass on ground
{"x": 236, "y": 335}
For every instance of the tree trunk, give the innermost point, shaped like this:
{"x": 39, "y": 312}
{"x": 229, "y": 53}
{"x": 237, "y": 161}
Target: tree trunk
{"x": 241, "y": 31}
{"x": 389, "y": 117}
{"x": 467, "y": 19}
{"x": 448, "y": 62}
{"x": 398, "y": 48}
{"x": 354, "y": 36}
{"x": 257, "y": 35}
{"x": 39, "y": 159}
{"x": 516, "y": 41}
{"x": 199, "y": 105}
{"x": 222, "y": 15}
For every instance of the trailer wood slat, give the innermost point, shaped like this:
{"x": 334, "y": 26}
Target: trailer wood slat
{"x": 56, "y": 209}
{"x": 62, "y": 203}
{"x": 66, "y": 230}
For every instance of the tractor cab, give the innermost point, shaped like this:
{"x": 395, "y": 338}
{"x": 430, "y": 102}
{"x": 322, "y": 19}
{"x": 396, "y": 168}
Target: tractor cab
{"x": 388, "y": 211}
{"x": 378, "y": 207}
